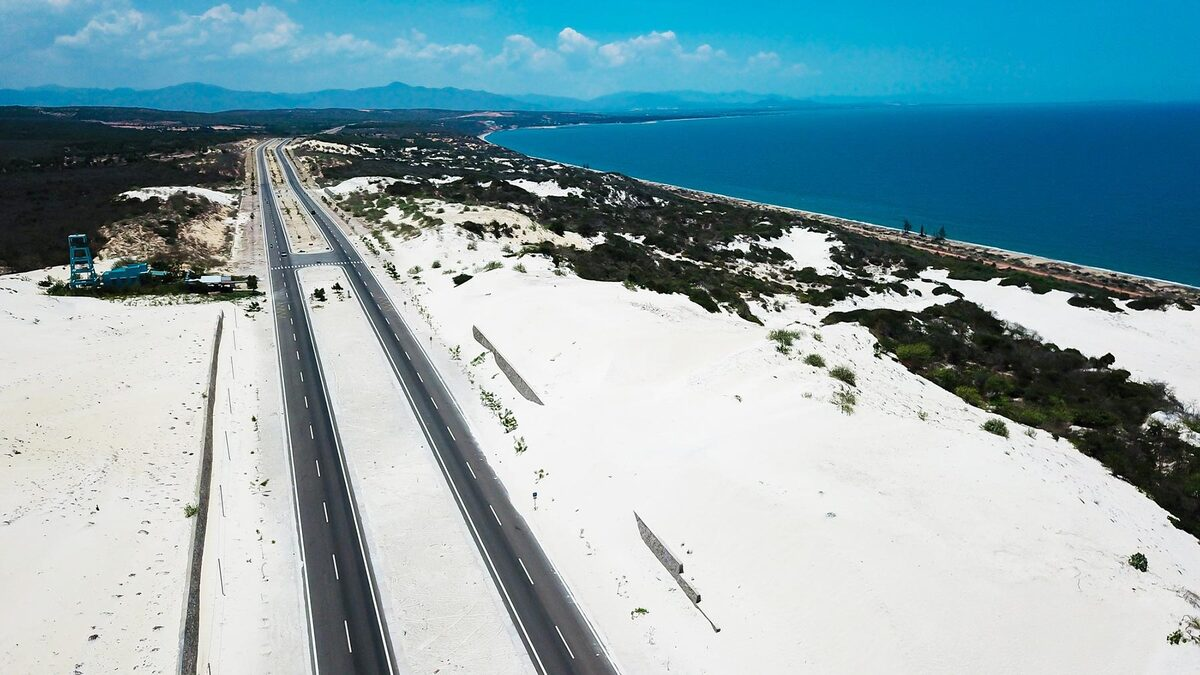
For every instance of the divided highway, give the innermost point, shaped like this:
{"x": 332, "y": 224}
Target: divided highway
{"x": 347, "y": 631}
{"x": 553, "y": 629}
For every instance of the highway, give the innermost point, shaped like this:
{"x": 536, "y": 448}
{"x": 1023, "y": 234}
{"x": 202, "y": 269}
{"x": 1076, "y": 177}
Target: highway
{"x": 347, "y": 631}
{"x": 554, "y": 631}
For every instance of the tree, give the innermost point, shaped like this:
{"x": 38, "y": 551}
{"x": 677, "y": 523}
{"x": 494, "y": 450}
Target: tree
{"x": 941, "y": 235}
{"x": 252, "y": 282}
{"x": 922, "y": 230}
{"x": 907, "y": 227}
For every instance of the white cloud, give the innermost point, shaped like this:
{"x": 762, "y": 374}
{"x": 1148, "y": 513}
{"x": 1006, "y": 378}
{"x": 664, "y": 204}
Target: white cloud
{"x": 660, "y": 45}
{"x": 764, "y": 60}
{"x": 104, "y": 27}
{"x": 417, "y": 47}
{"x": 521, "y": 50}
{"x": 332, "y": 45}
{"x": 571, "y": 41}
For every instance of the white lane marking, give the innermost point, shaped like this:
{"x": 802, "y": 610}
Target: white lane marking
{"x": 318, "y": 463}
{"x": 350, "y": 648}
{"x": 495, "y": 516}
{"x": 564, "y": 641}
{"x": 293, "y": 337}
{"x": 305, "y": 401}
{"x": 335, "y": 569}
{"x": 297, "y": 354}
{"x": 291, "y": 321}
{"x": 420, "y": 378}
{"x": 285, "y": 430}
{"x": 310, "y": 432}
{"x": 407, "y": 356}
{"x": 302, "y": 376}
{"x": 451, "y": 434}
{"x": 539, "y": 666}
{"x": 389, "y": 321}
{"x": 326, "y": 510}
{"x": 471, "y": 470}
{"x": 526, "y": 571}
{"x": 435, "y": 406}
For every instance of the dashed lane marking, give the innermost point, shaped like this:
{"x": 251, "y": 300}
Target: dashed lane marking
{"x": 564, "y": 641}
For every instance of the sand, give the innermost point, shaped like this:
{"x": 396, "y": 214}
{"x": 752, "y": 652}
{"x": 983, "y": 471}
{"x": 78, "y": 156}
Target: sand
{"x": 820, "y": 541}
{"x": 103, "y": 401}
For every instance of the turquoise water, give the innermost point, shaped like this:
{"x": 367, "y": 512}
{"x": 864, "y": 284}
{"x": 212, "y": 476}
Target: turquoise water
{"x": 1114, "y": 186}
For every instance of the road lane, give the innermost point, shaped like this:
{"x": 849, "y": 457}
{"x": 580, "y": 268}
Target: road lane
{"x": 347, "y": 631}
{"x": 553, "y": 628}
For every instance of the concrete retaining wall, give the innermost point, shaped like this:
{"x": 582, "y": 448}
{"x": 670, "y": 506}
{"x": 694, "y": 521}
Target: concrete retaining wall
{"x": 667, "y": 559}
{"x": 511, "y": 373}
{"x": 191, "y": 623}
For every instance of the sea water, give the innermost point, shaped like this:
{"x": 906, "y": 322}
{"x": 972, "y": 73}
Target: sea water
{"x": 1109, "y": 185}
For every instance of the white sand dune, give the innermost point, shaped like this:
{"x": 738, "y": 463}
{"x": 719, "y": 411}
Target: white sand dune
{"x": 164, "y": 192}
{"x": 901, "y": 538}
{"x": 546, "y": 188}
{"x": 367, "y": 184}
{"x": 100, "y": 439}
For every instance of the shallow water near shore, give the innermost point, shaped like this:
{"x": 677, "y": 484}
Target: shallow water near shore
{"x": 1108, "y": 185}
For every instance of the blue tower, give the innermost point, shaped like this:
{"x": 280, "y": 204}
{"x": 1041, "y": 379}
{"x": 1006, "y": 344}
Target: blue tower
{"x": 83, "y": 272}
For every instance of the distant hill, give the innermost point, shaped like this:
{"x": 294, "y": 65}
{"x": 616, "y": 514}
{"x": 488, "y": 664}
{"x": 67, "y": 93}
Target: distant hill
{"x": 199, "y": 97}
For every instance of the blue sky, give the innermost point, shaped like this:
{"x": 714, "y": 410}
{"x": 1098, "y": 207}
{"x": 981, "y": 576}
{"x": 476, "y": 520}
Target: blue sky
{"x": 980, "y": 50}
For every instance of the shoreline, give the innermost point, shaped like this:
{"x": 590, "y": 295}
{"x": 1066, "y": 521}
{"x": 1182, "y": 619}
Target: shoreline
{"x": 1110, "y": 280}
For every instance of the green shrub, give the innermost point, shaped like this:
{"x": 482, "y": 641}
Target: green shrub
{"x": 435, "y": 264}
{"x": 915, "y": 354}
{"x": 460, "y": 279}
{"x": 845, "y": 400}
{"x": 815, "y": 360}
{"x": 190, "y": 511}
{"x": 843, "y": 373}
{"x": 414, "y": 270}
{"x": 783, "y": 339}
{"x": 519, "y": 267}
{"x": 995, "y": 426}
{"x": 1138, "y": 562}
{"x": 493, "y": 265}
{"x": 969, "y": 394}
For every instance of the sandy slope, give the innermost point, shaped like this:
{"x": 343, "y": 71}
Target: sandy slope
{"x": 1153, "y": 345}
{"x": 821, "y": 542}
{"x": 443, "y": 610}
{"x": 103, "y": 403}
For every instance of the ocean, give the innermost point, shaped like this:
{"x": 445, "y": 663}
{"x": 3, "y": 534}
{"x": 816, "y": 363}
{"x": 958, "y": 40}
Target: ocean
{"x": 1115, "y": 186}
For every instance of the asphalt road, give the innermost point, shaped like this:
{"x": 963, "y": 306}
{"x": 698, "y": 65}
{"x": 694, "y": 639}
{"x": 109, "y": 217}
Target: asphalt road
{"x": 347, "y": 631}
{"x": 551, "y": 626}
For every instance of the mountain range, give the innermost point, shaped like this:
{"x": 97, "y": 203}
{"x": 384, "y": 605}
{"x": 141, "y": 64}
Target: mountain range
{"x": 199, "y": 97}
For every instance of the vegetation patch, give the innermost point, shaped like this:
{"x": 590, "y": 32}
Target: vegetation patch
{"x": 783, "y": 339}
{"x": 1008, "y": 371}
